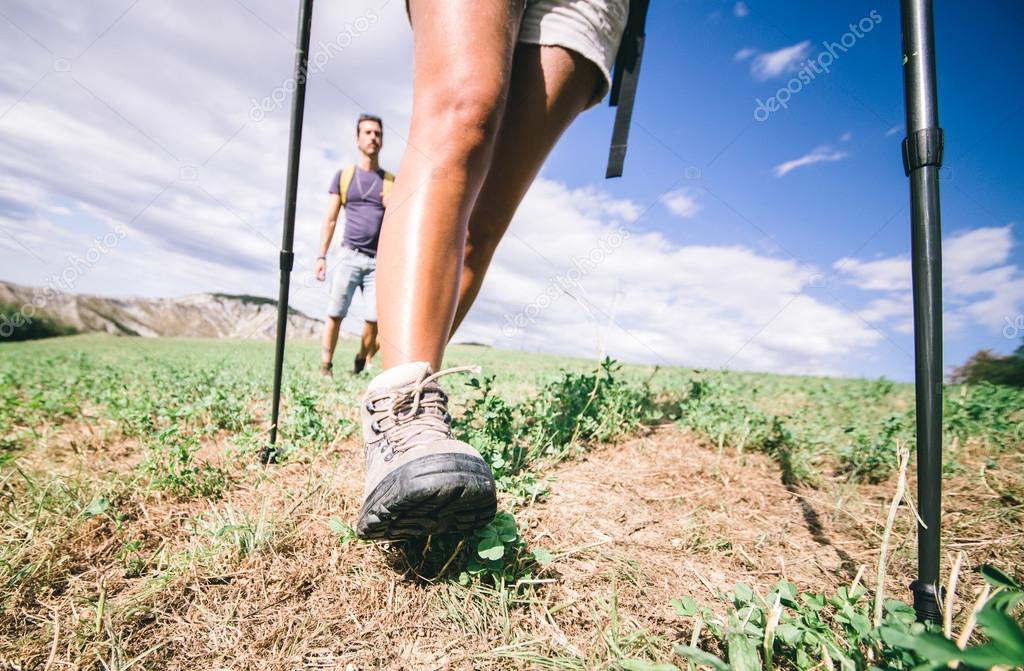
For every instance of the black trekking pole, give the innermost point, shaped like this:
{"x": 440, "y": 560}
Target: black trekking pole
{"x": 625, "y": 78}
{"x": 269, "y": 453}
{"x": 922, "y": 158}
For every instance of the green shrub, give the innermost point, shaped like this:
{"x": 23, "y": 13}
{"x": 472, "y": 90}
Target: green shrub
{"x": 993, "y": 413}
{"x": 870, "y": 455}
{"x": 171, "y": 465}
{"x": 565, "y": 415}
{"x": 15, "y": 325}
{"x": 985, "y": 366}
{"x": 589, "y": 407}
{"x": 811, "y": 630}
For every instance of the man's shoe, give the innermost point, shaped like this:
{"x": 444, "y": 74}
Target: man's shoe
{"x": 358, "y": 365}
{"x": 419, "y": 479}
{"x": 327, "y": 369}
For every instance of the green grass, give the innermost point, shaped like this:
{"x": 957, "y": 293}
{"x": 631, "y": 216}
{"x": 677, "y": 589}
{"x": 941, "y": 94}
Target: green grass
{"x": 98, "y": 432}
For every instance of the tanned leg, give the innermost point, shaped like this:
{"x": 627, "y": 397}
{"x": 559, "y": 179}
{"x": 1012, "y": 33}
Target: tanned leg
{"x": 459, "y": 91}
{"x": 550, "y": 87}
{"x": 368, "y": 344}
{"x": 374, "y": 345}
{"x": 332, "y": 326}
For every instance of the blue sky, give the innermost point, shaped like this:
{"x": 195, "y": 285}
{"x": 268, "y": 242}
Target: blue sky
{"x": 778, "y": 244}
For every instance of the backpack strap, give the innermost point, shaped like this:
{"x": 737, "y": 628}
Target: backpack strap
{"x": 344, "y": 181}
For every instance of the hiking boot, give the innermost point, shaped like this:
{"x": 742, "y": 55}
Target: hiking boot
{"x": 327, "y": 369}
{"x": 358, "y": 365}
{"x": 419, "y": 479}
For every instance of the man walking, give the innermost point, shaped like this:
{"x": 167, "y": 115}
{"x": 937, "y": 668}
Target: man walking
{"x": 362, "y": 189}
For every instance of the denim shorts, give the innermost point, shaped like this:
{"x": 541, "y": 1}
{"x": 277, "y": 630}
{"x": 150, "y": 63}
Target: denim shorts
{"x": 354, "y": 270}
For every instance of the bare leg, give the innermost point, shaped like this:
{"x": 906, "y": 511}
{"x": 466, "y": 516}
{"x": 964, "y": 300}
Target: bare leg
{"x": 368, "y": 345}
{"x": 332, "y": 326}
{"x": 374, "y": 343}
{"x": 550, "y": 87}
{"x": 463, "y": 59}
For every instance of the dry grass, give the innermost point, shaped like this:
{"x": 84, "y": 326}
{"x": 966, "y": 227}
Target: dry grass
{"x": 257, "y": 579}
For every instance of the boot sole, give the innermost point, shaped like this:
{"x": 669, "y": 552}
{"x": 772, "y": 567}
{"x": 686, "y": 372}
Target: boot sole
{"x": 438, "y": 493}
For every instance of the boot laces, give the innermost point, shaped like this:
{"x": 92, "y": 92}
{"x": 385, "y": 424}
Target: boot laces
{"x": 413, "y": 415}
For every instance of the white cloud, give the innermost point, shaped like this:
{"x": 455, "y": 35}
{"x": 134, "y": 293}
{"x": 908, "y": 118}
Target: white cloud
{"x": 893, "y": 130}
{"x": 906, "y": 327}
{"x": 740, "y": 10}
{"x": 682, "y": 202}
{"x": 650, "y": 299}
{"x": 846, "y": 137}
{"x": 880, "y": 309}
{"x": 980, "y": 286}
{"x": 889, "y": 274}
{"x": 967, "y": 254}
{"x": 976, "y": 266}
{"x": 823, "y": 153}
{"x": 744, "y": 53}
{"x": 594, "y": 202}
{"x": 776, "y": 63}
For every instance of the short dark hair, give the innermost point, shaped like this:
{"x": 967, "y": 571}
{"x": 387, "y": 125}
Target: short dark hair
{"x": 369, "y": 117}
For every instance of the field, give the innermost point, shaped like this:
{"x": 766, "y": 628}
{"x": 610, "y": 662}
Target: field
{"x": 650, "y": 518}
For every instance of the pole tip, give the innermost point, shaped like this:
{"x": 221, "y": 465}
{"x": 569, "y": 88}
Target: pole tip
{"x": 926, "y": 601}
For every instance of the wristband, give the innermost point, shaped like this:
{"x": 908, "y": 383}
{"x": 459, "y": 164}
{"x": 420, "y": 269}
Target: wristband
{"x": 321, "y": 258}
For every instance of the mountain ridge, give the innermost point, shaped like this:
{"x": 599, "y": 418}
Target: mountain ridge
{"x": 201, "y": 315}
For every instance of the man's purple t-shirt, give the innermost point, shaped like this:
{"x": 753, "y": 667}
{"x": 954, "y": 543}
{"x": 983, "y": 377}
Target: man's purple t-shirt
{"x": 364, "y": 209}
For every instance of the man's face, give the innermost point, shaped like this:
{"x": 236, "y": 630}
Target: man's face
{"x": 370, "y": 138}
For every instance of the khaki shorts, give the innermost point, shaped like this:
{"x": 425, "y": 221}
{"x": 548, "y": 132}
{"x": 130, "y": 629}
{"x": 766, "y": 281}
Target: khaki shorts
{"x": 591, "y": 28}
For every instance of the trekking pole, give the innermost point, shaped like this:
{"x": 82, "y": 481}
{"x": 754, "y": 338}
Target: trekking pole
{"x": 922, "y": 158}
{"x": 287, "y": 257}
{"x": 625, "y": 78}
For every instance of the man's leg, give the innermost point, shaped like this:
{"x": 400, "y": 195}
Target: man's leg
{"x": 374, "y": 343}
{"x": 550, "y": 87}
{"x": 463, "y": 57}
{"x": 343, "y": 286}
{"x": 367, "y": 347}
{"x": 332, "y": 327}
{"x": 368, "y": 344}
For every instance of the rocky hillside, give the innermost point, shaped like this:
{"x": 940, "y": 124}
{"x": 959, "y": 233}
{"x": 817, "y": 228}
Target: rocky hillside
{"x": 197, "y": 315}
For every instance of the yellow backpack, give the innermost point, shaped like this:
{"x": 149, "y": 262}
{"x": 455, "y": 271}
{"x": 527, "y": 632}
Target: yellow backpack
{"x": 346, "y": 179}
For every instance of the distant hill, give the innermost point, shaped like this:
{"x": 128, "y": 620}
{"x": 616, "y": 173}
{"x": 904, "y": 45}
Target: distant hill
{"x": 212, "y": 315}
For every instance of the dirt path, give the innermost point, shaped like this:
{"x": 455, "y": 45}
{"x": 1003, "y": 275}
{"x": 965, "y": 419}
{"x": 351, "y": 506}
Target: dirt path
{"x": 662, "y": 516}
{"x": 632, "y": 525}
{"x": 694, "y": 520}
